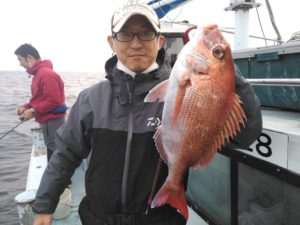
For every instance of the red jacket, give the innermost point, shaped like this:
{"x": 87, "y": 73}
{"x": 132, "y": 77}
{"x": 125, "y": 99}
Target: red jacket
{"x": 47, "y": 89}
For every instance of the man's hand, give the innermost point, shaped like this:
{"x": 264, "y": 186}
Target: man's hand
{"x": 43, "y": 219}
{"x": 28, "y": 114}
{"x": 25, "y": 114}
{"x": 20, "y": 110}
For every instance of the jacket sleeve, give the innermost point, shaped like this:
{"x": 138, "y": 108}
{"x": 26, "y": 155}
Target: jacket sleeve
{"x": 73, "y": 144}
{"x": 252, "y": 109}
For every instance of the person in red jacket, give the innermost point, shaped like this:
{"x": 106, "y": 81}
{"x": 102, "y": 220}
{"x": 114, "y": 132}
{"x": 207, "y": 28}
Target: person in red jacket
{"x": 47, "y": 104}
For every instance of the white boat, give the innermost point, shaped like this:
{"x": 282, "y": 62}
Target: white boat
{"x": 67, "y": 210}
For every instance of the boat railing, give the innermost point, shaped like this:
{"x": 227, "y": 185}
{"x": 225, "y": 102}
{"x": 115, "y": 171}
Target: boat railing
{"x": 294, "y": 82}
{"x": 253, "y": 36}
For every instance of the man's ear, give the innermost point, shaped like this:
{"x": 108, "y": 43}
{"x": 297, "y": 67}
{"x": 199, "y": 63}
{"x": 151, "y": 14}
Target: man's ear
{"x": 111, "y": 43}
{"x": 161, "y": 40}
{"x": 31, "y": 59}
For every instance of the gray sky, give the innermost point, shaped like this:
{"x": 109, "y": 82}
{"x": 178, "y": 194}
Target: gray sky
{"x": 72, "y": 33}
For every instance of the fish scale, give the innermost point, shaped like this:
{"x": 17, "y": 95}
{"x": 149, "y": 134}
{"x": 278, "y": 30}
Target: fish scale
{"x": 201, "y": 111}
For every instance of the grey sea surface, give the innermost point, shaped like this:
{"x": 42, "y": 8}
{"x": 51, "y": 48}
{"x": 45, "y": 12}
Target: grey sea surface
{"x": 15, "y": 147}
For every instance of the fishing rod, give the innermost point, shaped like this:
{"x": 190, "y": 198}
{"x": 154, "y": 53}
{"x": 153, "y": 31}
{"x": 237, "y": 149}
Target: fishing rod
{"x": 22, "y": 121}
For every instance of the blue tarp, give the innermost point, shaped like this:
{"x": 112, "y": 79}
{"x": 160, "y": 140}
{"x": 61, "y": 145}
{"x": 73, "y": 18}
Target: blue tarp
{"x": 162, "y": 8}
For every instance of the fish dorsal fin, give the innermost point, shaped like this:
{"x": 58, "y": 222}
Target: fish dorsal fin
{"x": 159, "y": 145}
{"x": 158, "y": 92}
{"x": 235, "y": 118}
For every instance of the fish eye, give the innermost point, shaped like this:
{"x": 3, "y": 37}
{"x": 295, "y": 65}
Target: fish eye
{"x": 218, "y": 52}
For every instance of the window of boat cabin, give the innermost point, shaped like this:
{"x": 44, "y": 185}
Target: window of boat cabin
{"x": 173, "y": 45}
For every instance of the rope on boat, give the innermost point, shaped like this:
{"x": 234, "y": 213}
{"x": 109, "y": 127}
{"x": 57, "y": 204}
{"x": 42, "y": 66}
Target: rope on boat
{"x": 295, "y": 36}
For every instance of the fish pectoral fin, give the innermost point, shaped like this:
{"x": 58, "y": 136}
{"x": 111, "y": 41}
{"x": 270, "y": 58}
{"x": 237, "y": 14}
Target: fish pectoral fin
{"x": 173, "y": 196}
{"x": 184, "y": 82}
{"x": 159, "y": 145}
{"x": 178, "y": 102}
{"x": 158, "y": 92}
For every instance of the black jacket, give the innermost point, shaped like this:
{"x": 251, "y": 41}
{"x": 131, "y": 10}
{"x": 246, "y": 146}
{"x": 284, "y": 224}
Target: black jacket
{"x": 98, "y": 124}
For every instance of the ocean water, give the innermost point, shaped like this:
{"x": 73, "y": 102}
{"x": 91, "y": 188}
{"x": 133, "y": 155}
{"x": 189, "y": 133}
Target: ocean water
{"x": 15, "y": 148}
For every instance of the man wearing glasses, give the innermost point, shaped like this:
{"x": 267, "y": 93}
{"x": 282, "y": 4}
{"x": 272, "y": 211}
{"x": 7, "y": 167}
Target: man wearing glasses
{"x": 111, "y": 122}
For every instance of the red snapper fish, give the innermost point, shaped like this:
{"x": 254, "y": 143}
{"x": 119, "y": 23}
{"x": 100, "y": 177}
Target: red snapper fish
{"x": 201, "y": 111}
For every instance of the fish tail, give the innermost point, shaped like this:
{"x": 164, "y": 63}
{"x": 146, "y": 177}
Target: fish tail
{"x": 173, "y": 196}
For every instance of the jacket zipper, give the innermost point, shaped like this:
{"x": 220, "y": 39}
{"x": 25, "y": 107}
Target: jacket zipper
{"x": 128, "y": 148}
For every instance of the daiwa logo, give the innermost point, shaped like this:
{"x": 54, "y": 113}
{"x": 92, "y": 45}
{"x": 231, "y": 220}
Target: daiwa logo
{"x": 153, "y": 122}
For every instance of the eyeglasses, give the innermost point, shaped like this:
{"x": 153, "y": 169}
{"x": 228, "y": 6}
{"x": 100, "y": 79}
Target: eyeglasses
{"x": 125, "y": 36}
